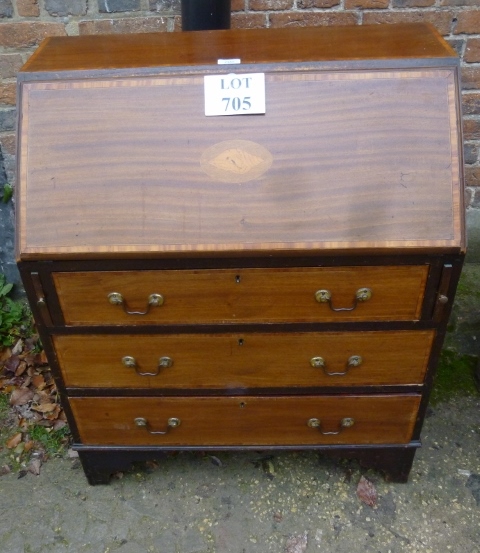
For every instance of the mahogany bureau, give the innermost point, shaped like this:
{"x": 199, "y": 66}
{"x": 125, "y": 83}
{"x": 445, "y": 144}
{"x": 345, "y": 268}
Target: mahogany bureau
{"x": 244, "y": 239}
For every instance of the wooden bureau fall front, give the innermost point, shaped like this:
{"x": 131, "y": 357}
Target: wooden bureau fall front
{"x": 266, "y": 265}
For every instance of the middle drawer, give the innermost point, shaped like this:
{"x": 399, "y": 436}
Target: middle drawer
{"x": 248, "y": 360}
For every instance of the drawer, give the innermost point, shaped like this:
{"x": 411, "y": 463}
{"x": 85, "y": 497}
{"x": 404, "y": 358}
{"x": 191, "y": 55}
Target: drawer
{"x": 236, "y": 421}
{"x": 241, "y": 295}
{"x": 249, "y": 360}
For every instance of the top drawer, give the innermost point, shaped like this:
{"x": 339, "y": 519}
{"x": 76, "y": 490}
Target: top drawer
{"x": 209, "y": 296}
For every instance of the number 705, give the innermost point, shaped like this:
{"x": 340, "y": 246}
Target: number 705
{"x": 237, "y": 104}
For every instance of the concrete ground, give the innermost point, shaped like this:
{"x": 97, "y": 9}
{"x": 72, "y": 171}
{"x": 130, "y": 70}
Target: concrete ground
{"x": 246, "y": 503}
{"x": 260, "y": 503}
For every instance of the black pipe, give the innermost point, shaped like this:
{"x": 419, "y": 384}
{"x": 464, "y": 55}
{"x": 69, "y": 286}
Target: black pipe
{"x": 204, "y": 15}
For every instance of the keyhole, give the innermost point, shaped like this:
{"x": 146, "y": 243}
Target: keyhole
{"x": 240, "y": 341}
{"x": 238, "y": 279}
{"x": 242, "y": 405}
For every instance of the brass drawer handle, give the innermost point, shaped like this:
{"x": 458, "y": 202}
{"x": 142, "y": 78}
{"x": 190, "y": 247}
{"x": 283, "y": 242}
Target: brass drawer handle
{"x": 346, "y": 422}
{"x": 131, "y": 363}
{"x": 172, "y": 422}
{"x": 361, "y": 295}
{"x": 319, "y": 363}
{"x": 154, "y": 300}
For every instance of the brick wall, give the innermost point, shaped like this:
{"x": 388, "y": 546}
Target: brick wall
{"x": 24, "y": 23}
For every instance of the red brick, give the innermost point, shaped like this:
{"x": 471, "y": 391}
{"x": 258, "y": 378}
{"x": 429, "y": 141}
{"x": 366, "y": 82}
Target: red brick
{"x": 470, "y": 77}
{"x": 468, "y": 197}
{"x": 118, "y": 6}
{"x": 9, "y": 65}
{"x": 238, "y": 20}
{"x": 6, "y": 8}
{"x": 267, "y": 5}
{"x": 413, "y": 3}
{"x": 472, "y": 176}
{"x": 458, "y": 3}
{"x": 308, "y": 4}
{"x": 472, "y": 51}
{"x": 441, "y": 20}
{"x": 470, "y": 152}
{"x": 457, "y": 44}
{"x": 238, "y": 5}
{"x": 471, "y": 129}
{"x": 177, "y": 23}
{"x": 167, "y": 7}
{"x": 366, "y": 4}
{"x": 28, "y": 33}
{"x": 8, "y": 142}
{"x": 468, "y": 22}
{"x": 123, "y": 26}
{"x": 248, "y": 21}
{"x": 7, "y": 119}
{"x": 28, "y": 8}
{"x": 471, "y": 103}
{"x": 64, "y": 8}
{"x": 315, "y": 19}
{"x": 8, "y": 93}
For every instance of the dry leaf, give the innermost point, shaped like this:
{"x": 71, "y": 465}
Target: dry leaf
{"x": 53, "y": 415}
{"x": 5, "y": 354}
{"x": 23, "y": 424}
{"x": 31, "y": 342}
{"x": 44, "y": 407}
{"x": 297, "y": 544}
{"x": 12, "y": 363}
{"x": 58, "y": 424}
{"x": 38, "y": 381}
{"x": 18, "y": 347}
{"x": 19, "y": 449}
{"x": 34, "y": 466}
{"x": 21, "y": 396}
{"x": 14, "y": 440}
{"x": 268, "y": 469}
{"x": 42, "y": 396}
{"x": 27, "y": 379}
{"x": 41, "y": 358}
{"x": 22, "y": 367}
{"x": 366, "y": 492}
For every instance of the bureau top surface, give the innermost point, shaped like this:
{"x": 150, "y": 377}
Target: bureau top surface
{"x": 343, "y": 159}
{"x": 251, "y": 46}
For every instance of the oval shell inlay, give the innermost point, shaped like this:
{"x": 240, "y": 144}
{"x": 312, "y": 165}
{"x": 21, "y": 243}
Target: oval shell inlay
{"x": 236, "y": 161}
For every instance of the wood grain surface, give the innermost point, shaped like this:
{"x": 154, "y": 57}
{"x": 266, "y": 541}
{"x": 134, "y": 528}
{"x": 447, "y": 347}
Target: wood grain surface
{"x": 243, "y": 295}
{"x": 227, "y": 361}
{"x": 246, "y": 420}
{"x": 250, "y": 45}
{"x": 367, "y": 159}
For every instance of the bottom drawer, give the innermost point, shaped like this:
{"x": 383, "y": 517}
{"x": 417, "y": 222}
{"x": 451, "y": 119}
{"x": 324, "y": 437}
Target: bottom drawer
{"x": 237, "y": 421}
